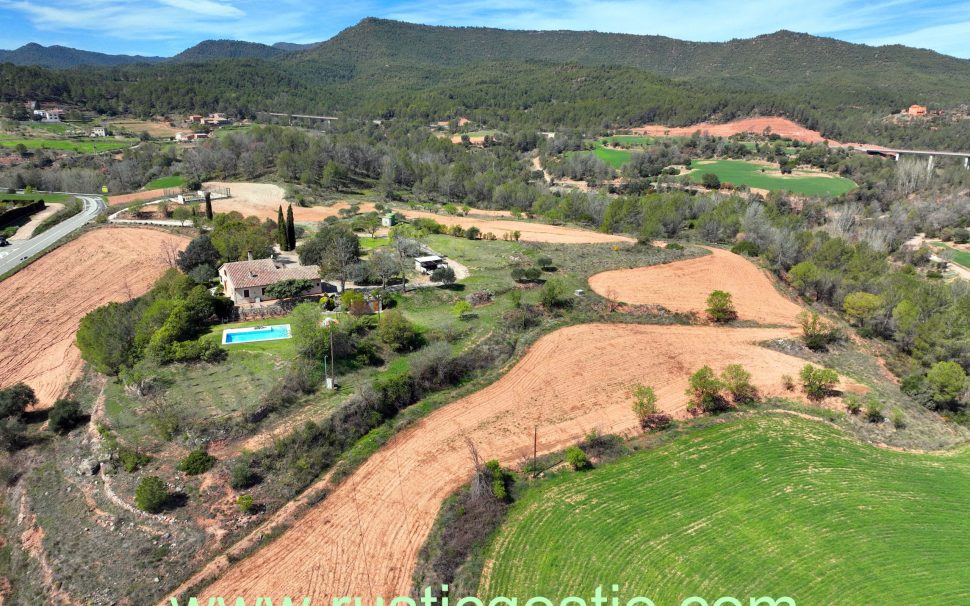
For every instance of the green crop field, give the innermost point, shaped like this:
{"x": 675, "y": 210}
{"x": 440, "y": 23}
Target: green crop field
{"x": 770, "y": 505}
{"x": 167, "y": 182}
{"x": 740, "y": 172}
{"x": 79, "y": 145}
{"x": 960, "y": 257}
{"x": 629, "y": 140}
{"x": 614, "y": 157}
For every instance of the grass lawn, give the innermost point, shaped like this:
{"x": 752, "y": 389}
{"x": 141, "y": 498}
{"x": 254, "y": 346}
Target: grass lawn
{"x": 80, "y": 145}
{"x": 741, "y": 172}
{"x": 167, "y": 182}
{"x": 368, "y": 244}
{"x": 46, "y": 197}
{"x": 283, "y": 348}
{"x": 960, "y": 257}
{"x": 766, "y": 506}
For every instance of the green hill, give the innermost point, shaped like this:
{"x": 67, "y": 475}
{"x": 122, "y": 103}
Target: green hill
{"x": 209, "y": 50}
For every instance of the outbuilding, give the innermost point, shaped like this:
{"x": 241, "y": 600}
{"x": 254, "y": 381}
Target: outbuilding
{"x": 428, "y": 264}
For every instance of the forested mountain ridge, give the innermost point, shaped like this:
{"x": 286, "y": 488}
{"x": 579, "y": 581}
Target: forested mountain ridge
{"x": 209, "y": 50}
{"x": 63, "y": 57}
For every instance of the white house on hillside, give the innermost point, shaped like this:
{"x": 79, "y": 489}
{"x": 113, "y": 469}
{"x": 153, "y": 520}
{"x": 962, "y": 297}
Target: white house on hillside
{"x": 247, "y": 281}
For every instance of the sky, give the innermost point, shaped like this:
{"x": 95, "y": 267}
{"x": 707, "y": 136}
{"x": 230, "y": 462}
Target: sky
{"x": 166, "y": 27}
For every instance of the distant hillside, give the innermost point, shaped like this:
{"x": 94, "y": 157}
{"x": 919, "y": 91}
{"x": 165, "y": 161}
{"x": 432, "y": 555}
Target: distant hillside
{"x": 293, "y": 47}
{"x": 824, "y": 69}
{"x": 209, "y": 50}
{"x": 62, "y": 57}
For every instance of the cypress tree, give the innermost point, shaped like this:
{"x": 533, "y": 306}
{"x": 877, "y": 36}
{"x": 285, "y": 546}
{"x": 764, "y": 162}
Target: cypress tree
{"x": 208, "y": 206}
{"x": 281, "y": 231}
{"x": 290, "y": 228}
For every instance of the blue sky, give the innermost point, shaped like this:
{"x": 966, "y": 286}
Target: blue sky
{"x": 165, "y": 27}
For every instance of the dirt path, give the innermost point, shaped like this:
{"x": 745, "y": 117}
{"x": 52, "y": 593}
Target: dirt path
{"x": 264, "y": 199}
{"x": 530, "y": 232}
{"x": 41, "y": 306}
{"x": 363, "y": 539}
{"x": 684, "y": 286}
{"x": 27, "y": 229}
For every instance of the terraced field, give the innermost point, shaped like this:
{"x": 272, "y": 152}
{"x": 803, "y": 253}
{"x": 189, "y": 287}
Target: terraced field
{"x": 775, "y": 506}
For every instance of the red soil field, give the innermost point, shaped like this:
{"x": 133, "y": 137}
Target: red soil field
{"x": 779, "y": 126}
{"x": 363, "y": 539}
{"x": 684, "y": 286}
{"x": 530, "y": 232}
{"x": 41, "y": 305}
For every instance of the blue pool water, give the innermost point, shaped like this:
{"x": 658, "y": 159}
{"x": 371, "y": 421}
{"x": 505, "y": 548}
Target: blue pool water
{"x": 250, "y": 335}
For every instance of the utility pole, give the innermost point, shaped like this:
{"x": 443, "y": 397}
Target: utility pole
{"x": 333, "y": 363}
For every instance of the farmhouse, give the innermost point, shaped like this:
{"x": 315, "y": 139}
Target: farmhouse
{"x": 916, "y": 110}
{"x": 190, "y": 136}
{"x": 428, "y": 264}
{"x": 49, "y": 115}
{"x": 247, "y": 281}
{"x": 99, "y": 131}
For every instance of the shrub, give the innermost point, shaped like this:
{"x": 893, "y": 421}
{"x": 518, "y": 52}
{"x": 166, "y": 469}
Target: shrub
{"x": 499, "y": 479}
{"x": 64, "y": 416}
{"x": 737, "y": 382}
{"x": 788, "y": 382}
{"x": 674, "y": 246}
{"x": 817, "y": 382}
{"x": 151, "y": 495}
{"x": 704, "y": 392}
{"x": 242, "y": 476}
{"x": 396, "y": 331}
{"x": 577, "y": 459}
{"x": 711, "y": 181}
{"x": 544, "y": 262}
{"x": 444, "y": 274}
{"x": 746, "y": 247}
{"x": 245, "y": 503}
{"x": 874, "y": 411}
{"x": 853, "y": 404}
{"x": 644, "y": 401}
{"x": 518, "y": 274}
{"x": 15, "y": 399}
{"x": 899, "y": 419}
{"x": 132, "y": 460}
{"x": 862, "y": 306}
{"x": 720, "y": 306}
{"x": 946, "y": 381}
{"x": 196, "y": 462}
{"x": 472, "y": 233}
{"x": 553, "y": 295}
{"x": 817, "y": 332}
{"x": 461, "y": 308}
{"x": 532, "y": 274}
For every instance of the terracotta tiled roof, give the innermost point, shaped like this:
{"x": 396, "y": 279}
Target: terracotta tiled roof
{"x": 263, "y": 272}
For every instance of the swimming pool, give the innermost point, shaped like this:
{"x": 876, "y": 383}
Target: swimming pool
{"x": 231, "y": 336}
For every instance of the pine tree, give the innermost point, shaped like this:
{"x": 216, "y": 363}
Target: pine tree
{"x": 290, "y": 228}
{"x": 208, "y": 206}
{"x": 282, "y": 231}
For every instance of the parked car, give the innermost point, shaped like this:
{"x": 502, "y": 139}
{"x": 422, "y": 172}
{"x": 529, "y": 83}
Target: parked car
{"x": 3, "y": 241}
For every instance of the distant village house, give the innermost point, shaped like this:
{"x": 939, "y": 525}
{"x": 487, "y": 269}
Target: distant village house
{"x": 99, "y": 131}
{"x": 916, "y": 110}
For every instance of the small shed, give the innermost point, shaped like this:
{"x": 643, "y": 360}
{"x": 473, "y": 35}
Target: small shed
{"x": 428, "y": 264}
{"x": 389, "y": 220}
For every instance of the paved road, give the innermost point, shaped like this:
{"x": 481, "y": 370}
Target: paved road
{"x": 20, "y": 251}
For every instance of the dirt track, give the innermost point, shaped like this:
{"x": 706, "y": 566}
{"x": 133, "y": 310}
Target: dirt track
{"x": 530, "y": 232}
{"x": 779, "y": 126}
{"x": 41, "y": 306}
{"x": 684, "y": 286}
{"x": 27, "y": 229}
{"x": 364, "y": 537}
{"x": 264, "y": 199}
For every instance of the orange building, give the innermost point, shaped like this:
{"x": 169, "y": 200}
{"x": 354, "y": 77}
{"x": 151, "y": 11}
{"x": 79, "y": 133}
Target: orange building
{"x": 916, "y": 110}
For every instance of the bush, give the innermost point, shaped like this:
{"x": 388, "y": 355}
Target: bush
{"x": 499, "y": 479}
{"x": 818, "y": 382}
{"x": 788, "y": 382}
{"x": 444, "y": 274}
{"x": 711, "y": 181}
{"x": 720, "y": 306}
{"x": 15, "y": 399}
{"x": 746, "y": 247}
{"x": 64, "y": 416}
{"x": 853, "y": 404}
{"x": 533, "y": 274}
{"x": 674, "y": 246}
{"x": 553, "y": 295}
{"x": 817, "y": 332}
{"x": 472, "y": 233}
{"x": 874, "y": 411}
{"x": 245, "y": 503}
{"x": 704, "y": 393}
{"x": 132, "y": 460}
{"x": 197, "y": 462}
{"x": 461, "y": 308}
{"x": 396, "y": 331}
{"x": 151, "y": 495}
{"x": 242, "y": 476}
{"x": 518, "y": 274}
{"x": 576, "y": 458}
{"x": 644, "y": 402}
{"x": 544, "y": 262}
{"x": 737, "y": 382}
{"x": 946, "y": 381}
